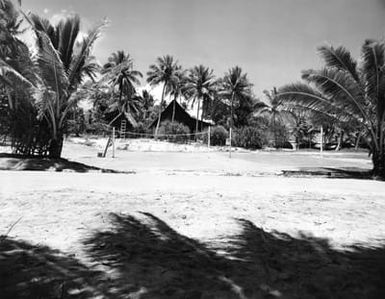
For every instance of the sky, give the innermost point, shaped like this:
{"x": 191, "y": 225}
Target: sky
{"x": 272, "y": 40}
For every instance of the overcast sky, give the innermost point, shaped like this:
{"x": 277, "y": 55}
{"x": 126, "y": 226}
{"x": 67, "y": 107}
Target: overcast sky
{"x": 272, "y": 40}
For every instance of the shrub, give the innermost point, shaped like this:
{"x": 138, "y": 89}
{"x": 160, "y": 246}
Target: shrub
{"x": 218, "y": 135}
{"x": 171, "y": 129}
{"x": 249, "y": 137}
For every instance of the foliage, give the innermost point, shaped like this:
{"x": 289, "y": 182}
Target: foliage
{"x": 249, "y": 137}
{"x": 165, "y": 72}
{"x": 40, "y": 87}
{"x": 119, "y": 73}
{"x": 174, "y": 128}
{"x": 347, "y": 92}
{"x": 218, "y": 136}
{"x": 200, "y": 87}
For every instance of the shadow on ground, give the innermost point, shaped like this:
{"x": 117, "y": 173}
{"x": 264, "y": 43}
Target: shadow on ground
{"x": 143, "y": 257}
{"x": 19, "y": 162}
{"x": 331, "y": 172}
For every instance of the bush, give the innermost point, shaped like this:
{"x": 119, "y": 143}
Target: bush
{"x": 218, "y": 136}
{"x": 172, "y": 128}
{"x": 249, "y": 137}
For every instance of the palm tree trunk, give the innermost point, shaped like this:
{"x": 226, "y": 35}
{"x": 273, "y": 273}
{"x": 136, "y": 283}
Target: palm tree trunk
{"x": 173, "y": 109}
{"x": 197, "y": 120}
{"x": 160, "y": 111}
{"x": 56, "y": 147}
{"x": 340, "y": 140}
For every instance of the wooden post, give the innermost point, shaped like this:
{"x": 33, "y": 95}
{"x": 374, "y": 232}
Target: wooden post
{"x": 322, "y": 140}
{"x": 230, "y": 142}
{"x": 113, "y": 142}
{"x": 208, "y": 137}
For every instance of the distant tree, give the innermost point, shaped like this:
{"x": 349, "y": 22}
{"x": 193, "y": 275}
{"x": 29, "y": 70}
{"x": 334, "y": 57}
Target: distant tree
{"x": 177, "y": 88}
{"x": 200, "y": 86}
{"x": 277, "y": 116}
{"x": 120, "y": 74}
{"x": 163, "y": 72}
{"x": 235, "y": 87}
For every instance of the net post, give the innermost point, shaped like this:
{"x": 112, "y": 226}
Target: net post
{"x": 113, "y": 142}
{"x": 208, "y": 137}
{"x": 322, "y": 140}
{"x": 230, "y": 143}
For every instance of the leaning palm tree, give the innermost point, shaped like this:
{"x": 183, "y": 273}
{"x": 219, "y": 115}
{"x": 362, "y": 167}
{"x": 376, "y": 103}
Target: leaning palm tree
{"x": 120, "y": 73}
{"x": 200, "y": 86}
{"x": 347, "y": 92}
{"x": 163, "y": 72}
{"x": 235, "y": 87}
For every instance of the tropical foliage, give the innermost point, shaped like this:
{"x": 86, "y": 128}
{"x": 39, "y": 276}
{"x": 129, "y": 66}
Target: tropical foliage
{"x": 119, "y": 73}
{"x": 165, "y": 72}
{"x": 347, "y": 92}
{"x": 200, "y": 87}
{"x": 44, "y": 83}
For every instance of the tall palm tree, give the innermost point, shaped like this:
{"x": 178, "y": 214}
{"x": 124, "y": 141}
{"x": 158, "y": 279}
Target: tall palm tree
{"x": 177, "y": 88}
{"x": 347, "y": 92}
{"x": 200, "y": 86}
{"x": 163, "y": 72}
{"x": 120, "y": 73}
{"x": 235, "y": 87}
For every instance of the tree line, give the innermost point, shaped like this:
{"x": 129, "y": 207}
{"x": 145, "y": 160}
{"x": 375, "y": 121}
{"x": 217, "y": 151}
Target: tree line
{"x": 40, "y": 89}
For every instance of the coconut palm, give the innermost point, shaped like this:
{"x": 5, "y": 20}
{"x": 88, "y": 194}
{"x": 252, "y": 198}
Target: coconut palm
{"x": 273, "y": 111}
{"x": 177, "y": 88}
{"x": 163, "y": 72}
{"x": 200, "y": 86}
{"x": 234, "y": 87}
{"x": 347, "y": 92}
{"x": 120, "y": 73}
{"x": 59, "y": 66}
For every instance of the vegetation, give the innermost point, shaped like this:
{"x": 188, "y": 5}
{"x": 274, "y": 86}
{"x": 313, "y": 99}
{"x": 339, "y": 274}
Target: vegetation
{"x": 249, "y": 137}
{"x": 235, "y": 87}
{"x": 40, "y": 87}
{"x": 174, "y": 132}
{"x": 218, "y": 136}
{"x": 165, "y": 72}
{"x": 40, "y": 92}
{"x": 347, "y": 92}
{"x": 120, "y": 74}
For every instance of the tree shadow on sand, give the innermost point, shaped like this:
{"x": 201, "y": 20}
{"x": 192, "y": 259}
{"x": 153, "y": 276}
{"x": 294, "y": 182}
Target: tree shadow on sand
{"x": 29, "y": 271}
{"x": 36, "y": 163}
{"x": 152, "y": 260}
{"x": 143, "y": 257}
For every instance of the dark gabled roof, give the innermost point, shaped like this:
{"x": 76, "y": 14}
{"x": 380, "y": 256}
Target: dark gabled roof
{"x": 181, "y": 116}
{"x": 127, "y": 116}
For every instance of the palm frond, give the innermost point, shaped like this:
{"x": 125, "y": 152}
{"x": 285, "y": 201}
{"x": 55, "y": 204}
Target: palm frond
{"x": 339, "y": 58}
{"x": 51, "y": 68}
{"x": 373, "y": 58}
{"x": 304, "y": 96}
{"x": 75, "y": 71}
{"x": 339, "y": 88}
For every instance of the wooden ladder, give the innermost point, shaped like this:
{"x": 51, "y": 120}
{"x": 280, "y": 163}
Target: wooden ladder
{"x": 123, "y": 125}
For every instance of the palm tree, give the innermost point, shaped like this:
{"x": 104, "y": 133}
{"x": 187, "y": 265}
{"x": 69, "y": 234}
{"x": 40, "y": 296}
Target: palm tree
{"x": 63, "y": 62}
{"x": 235, "y": 87}
{"x": 273, "y": 111}
{"x": 347, "y": 92}
{"x": 120, "y": 73}
{"x": 200, "y": 86}
{"x": 177, "y": 88}
{"x": 57, "y": 70}
{"x": 163, "y": 72}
